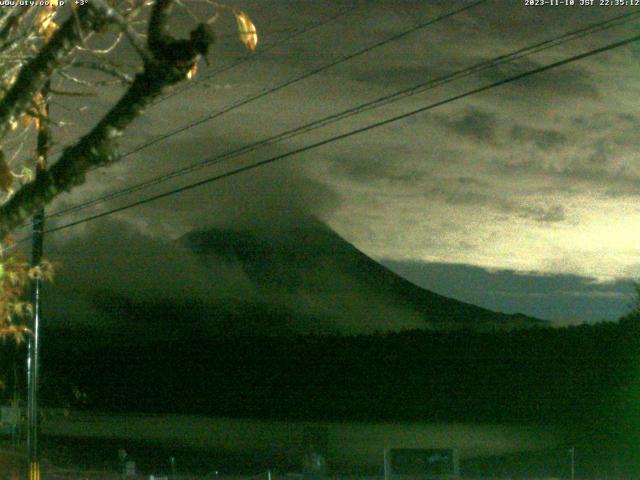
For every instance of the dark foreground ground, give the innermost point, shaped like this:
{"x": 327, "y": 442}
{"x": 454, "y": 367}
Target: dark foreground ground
{"x": 90, "y": 458}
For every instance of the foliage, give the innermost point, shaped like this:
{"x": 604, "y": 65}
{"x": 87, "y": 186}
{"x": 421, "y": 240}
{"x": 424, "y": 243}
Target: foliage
{"x": 15, "y": 276}
{"x": 634, "y": 304}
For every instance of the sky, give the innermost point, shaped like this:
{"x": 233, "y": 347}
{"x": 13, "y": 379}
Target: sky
{"x": 523, "y": 198}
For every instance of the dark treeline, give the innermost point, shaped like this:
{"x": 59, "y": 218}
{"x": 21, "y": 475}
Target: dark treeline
{"x": 588, "y": 375}
{"x": 583, "y": 380}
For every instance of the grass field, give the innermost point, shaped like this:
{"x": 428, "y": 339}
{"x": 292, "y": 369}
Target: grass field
{"x": 245, "y": 446}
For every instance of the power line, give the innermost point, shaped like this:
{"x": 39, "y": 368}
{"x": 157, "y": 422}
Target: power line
{"x": 351, "y": 56}
{"x": 304, "y": 76}
{"x": 260, "y": 52}
{"x": 357, "y": 131}
{"x": 249, "y": 57}
{"x": 250, "y": 98}
{"x": 294, "y": 80}
{"x": 416, "y": 89}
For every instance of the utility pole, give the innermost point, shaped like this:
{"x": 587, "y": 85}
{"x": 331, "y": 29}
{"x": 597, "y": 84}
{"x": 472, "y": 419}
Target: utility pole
{"x": 33, "y": 348}
{"x": 572, "y": 451}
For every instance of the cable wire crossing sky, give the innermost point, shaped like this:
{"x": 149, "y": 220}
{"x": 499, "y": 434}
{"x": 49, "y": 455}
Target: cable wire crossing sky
{"x": 483, "y": 140}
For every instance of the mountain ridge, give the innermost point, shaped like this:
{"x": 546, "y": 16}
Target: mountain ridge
{"x": 310, "y": 261}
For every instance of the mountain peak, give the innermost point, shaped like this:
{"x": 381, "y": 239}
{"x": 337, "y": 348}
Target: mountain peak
{"x": 306, "y": 271}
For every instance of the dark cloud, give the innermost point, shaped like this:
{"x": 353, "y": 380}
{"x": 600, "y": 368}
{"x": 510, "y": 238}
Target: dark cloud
{"x": 605, "y": 119}
{"x": 302, "y": 278}
{"x": 389, "y": 166}
{"x": 454, "y": 196}
{"x": 553, "y": 297}
{"x": 569, "y": 82}
{"x": 623, "y": 189}
{"x": 274, "y": 196}
{"x": 475, "y": 124}
{"x": 115, "y": 278}
{"x": 600, "y": 155}
{"x": 553, "y": 214}
{"x": 117, "y": 257}
{"x": 471, "y": 181}
{"x": 277, "y": 194}
{"x": 544, "y": 139}
{"x": 464, "y": 195}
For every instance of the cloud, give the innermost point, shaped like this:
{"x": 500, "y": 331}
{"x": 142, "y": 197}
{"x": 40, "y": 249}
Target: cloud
{"x": 116, "y": 278}
{"x": 381, "y": 167}
{"x": 476, "y": 124}
{"x": 276, "y": 194}
{"x": 113, "y": 277}
{"x": 114, "y": 257}
{"x": 403, "y": 74}
{"x": 544, "y": 139}
{"x": 553, "y": 214}
{"x": 538, "y": 175}
{"x": 553, "y": 297}
{"x": 569, "y": 82}
{"x": 485, "y": 195}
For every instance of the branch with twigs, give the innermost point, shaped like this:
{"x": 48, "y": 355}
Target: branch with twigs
{"x": 30, "y": 52}
{"x": 168, "y": 62}
{"x": 36, "y": 72}
{"x": 104, "y": 67}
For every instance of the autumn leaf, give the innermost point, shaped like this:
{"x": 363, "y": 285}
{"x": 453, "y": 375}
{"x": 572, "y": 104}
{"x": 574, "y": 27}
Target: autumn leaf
{"x": 6, "y": 178}
{"x": 25, "y": 121}
{"x": 10, "y": 81}
{"x": 44, "y": 271}
{"x": 45, "y": 23}
{"x": 192, "y": 71}
{"x": 35, "y": 273}
{"x": 22, "y": 309}
{"x": 247, "y": 30}
{"x": 9, "y": 239}
{"x": 15, "y": 278}
{"x": 47, "y": 270}
{"x": 18, "y": 332}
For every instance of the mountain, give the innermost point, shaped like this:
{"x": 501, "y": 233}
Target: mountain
{"x": 263, "y": 280}
{"x": 308, "y": 279}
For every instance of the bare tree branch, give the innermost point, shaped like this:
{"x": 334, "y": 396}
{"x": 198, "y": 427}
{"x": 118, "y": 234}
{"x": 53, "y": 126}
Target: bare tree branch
{"x": 13, "y": 22}
{"x": 73, "y": 94}
{"x": 35, "y": 74}
{"x": 170, "y": 61}
{"x": 125, "y": 26}
{"x": 106, "y": 68}
{"x": 89, "y": 83}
